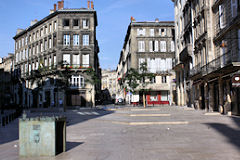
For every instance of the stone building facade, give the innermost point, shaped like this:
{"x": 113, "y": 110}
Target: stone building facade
{"x": 109, "y": 84}
{"x": 153, "y": 43}
{"x": 214, "y": 72}
{"x": 65, "y": 38}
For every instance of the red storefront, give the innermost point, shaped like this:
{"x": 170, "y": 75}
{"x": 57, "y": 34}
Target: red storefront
{"x": 157, "y": 98}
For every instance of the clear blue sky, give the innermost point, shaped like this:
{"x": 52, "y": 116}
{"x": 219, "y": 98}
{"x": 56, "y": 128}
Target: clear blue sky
{"x": 113, "y": 20}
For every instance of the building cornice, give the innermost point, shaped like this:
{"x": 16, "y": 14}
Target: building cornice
{"x": 81, "y": 10}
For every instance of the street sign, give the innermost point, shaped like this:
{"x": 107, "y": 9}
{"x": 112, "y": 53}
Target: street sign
{"x": 236, "y": 80}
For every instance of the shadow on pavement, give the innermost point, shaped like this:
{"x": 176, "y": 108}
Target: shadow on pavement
{"x": 10, "y": 132}
{"x": 232, "y": 134}
{"x": 71, "y": 145}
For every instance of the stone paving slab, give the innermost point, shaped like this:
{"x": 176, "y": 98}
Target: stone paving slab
{"x": 91, "y": 137}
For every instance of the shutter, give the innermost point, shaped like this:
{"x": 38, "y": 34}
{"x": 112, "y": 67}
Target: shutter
{"x": 143, "y": 46}
{"x": 150, "y": 46}
{"x": 156, "y": 46}
{"x": 234, "y": 8}
{"x": 172, "y": 46}
{"x": 86, "y": 60}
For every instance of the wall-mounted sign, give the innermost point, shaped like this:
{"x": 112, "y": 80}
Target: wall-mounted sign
{"x": 236, "y": 80}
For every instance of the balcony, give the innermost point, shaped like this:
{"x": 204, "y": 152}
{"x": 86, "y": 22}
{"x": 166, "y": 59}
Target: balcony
{"x": 196, "y": 70}
{"x": 222, "y": 63}
{"x": 185, "y": 55}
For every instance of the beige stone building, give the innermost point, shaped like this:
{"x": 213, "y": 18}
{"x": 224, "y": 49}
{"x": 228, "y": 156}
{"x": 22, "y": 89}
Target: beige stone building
{"x": 151, "y": 42}
{"x": 109, "y": 83}
{"x": 64, "y": 38}
{"x": 214, "y": 53}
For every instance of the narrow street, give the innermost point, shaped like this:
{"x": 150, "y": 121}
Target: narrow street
{"x": 158, "y": 133}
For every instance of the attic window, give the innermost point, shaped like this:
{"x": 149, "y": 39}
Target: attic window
{"x": 75, "y": 22}
{"x": 66, "y": 22}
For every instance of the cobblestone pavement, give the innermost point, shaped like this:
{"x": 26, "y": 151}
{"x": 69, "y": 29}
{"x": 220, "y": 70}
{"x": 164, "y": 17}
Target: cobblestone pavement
{"x": 159, "y": 133}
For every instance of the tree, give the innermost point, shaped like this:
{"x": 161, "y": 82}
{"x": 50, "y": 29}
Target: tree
{"x": 92, "y": 78}
{"x": 137, "y": 80}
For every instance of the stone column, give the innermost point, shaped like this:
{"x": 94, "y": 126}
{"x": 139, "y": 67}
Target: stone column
{"x": 220, "y": 88}
{"x": 211, "y": 98}
{"x": 206, "y": 95}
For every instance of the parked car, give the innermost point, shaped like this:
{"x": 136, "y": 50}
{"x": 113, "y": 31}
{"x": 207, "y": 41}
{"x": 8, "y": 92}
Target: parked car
{"x": 119, "y": 101}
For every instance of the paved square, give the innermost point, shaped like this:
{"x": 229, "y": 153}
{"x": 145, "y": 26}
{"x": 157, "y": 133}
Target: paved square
{"x": 159, "y": 133}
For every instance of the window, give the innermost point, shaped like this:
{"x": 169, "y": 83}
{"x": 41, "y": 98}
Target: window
{"x": 33, "y": 36}
{"x": 26, "y": 42}
{"x": 30, "y": 68}
{"x": 153, "y": 46}
{"x": 164, "y": 79}
{"x": 38, "y": 49}
{"x": 152, "y": 32}
{"x": 234, "y": 5}
{"x": 50, "y": 62}
{"x": 37, "y": 65}
{"x": 141, "y": 46}
{"x": 162, "y": 32}
{"x": 50, "y": 28}
{"x": 172, "y": 46}
{"x": 163, "y": 46}
{"x": 76, "y": 81}
{"x": 37, "y": 34}
{"x": 85, "y": 23}
{"x": 54, "y": 60}
{"x": 153, "y": 80}
{"x": 33, "y": 66}
{"x": 85, "y": 40}
{"x": 85, "y": 60}
{"x": 41, "y": 45}
{"x": 153, "y": 97}
{"x": 45, "y": 45}
{"x": 140, "y": 61}
{"x": 30, "y": 52}
{"x": 75, "y": 23}
{"x": 33, "y": 50}
{"x": 30, "y": 40}
{"x": 26, "y": 68}
{"x": 55, "y": 25}
{"x": 41, "y": 32}
{"x": 24, "y": 54}
{"x": 66, "y": 22}
{"x": 76, "y": 40}
{"x": 45, "y": 62}
{"x": 76, "y": 60}
{"x": 221, "y": 16}
{"x": 66, "y": 59}
{"x": 66, "y": 40}
{"x": 50, "y": 43}
{"x": 164, "y": 96}
{"x": 45, "y": 30}
{"x": 141, "y": 32}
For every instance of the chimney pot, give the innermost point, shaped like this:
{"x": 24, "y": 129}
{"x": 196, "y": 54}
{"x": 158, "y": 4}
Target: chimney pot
{"x": 55, "y": 7}
{"x": 88, "y": 4}
{"x": 92, "y": 5}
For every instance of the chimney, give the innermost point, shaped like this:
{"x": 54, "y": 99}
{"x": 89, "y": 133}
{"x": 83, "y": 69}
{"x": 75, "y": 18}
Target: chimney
{"x": 60, "y": 4}
{"x": 55, "y": 7}
{"x": 92, "y": 5}
{"x": 88, "y": 4}
{"x": 156, "y": 20}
